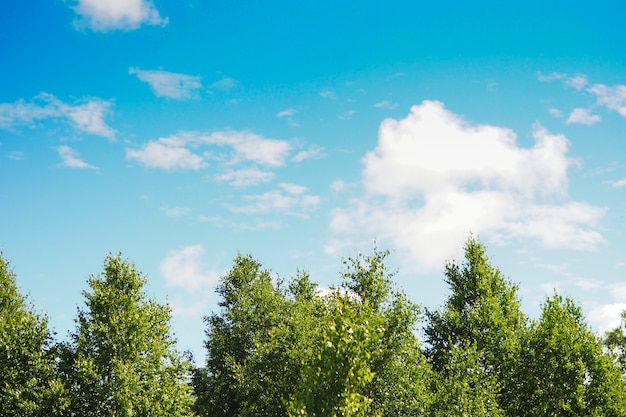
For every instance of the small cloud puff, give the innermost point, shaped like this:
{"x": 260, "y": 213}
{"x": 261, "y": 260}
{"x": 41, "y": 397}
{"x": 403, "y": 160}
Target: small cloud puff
{"x": 106, "y": 15}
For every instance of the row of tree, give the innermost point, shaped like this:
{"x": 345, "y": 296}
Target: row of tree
{"x": 289, "y": 348}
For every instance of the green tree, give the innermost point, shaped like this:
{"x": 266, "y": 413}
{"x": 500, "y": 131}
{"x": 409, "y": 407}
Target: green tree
{"x": 29, "y": 385}
{"x": 463, "y": 388}
{"x": 482, "y": 313}
{"x": 121, "y": 360}
{"x": 366, "y": 357}
{"x": 563, "y": 370}
{"x": 244, "y": 373}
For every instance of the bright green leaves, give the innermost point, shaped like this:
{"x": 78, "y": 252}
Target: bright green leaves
{"x": 29, "y": 385}
{"x": 121, "y": 360}
{"x": 562, "y": 368}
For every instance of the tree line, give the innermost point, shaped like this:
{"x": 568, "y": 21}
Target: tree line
{"x": 290, "y": 348}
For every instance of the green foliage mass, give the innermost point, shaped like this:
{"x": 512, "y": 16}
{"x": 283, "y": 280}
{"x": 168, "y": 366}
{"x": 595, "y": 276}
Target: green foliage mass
{"x": 291, "y": 348}
{"x": 121, "y": 360}
{"x": 29, "y": 382}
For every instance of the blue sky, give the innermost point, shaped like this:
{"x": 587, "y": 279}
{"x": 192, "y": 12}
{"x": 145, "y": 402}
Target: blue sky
{"x": 182, "y": 133}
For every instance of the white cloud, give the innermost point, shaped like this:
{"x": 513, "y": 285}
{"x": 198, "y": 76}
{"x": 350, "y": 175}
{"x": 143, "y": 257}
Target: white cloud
{"x": 385, "y": 104}
{"x": 578, "y": 82}
{"x": 167, "y": 153}
{"x": 613, "y": 98}
{"x": 582, "y": 117}
{"x": 225, "y": 84}
{"x": 105, "y": 15}
{"x": 338, "y": 186}
{"x": 555, "y": 112}
{"x": 286, "y": 113}
{"x": 184, "y": 268}
{"x": 314, "y": 152}
{"x": 250, "y": 147}
{"x": 71, "y": 159}
{"x": 179, "y": 151}
{"x": 550, "y": 77}
{"x": 170, "y": 84}
{"x": 87, "y": 117}
{"x": 290, "y": 199}
{"x": 606, "y": 317}
{"x": 16, "y": 156}
{"x": 433, "y": 178}
{"x": 347, "y": 115}
{"x": 619, "y": 184}
{"x": 175, "y": 211}
{"x": 245, "y": 177}
{"x": 328, "y": 94}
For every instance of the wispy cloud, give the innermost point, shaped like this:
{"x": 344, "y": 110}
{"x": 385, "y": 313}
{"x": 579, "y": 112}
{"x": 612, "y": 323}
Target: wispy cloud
{"x": 105, "y": 15}
{"x": 170, "y": 84}
{"x": 245, "y": 177}
{"x": 314, "y": 152}
{"x": 385, "y": 104}
{"x": 434, "y": 177}
{"x": 328, "y": 94}
{"x": 180, "y": 151}
{"x": 16, "y": 156}
{"x": 175, "y": 211}
{"x": 555, "y": 112}
{"x": 85, "y": 116}
{"x": 168, "y": 154}
{"x": 582, "y": 117}
{"x": 619, "y": 184}
{"x": 71, "y": 159}
{"x": 613, "y": 98}
{"x": 290, "y": 199}
{"x": 224, "y": 84}
{"x": 286, "y": 113}
{"x": 347, "y": 115}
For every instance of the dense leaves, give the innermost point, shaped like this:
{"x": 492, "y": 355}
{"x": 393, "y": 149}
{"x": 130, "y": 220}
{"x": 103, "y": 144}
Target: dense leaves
{"x": 121, "y": 360}
{"x": 29, "y": 385}
{"x": 291, "y": 348}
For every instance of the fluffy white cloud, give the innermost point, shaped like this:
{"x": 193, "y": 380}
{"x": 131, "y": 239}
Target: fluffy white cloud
{"x": 613, "y": 98}
{"x": 167, "y": 153}
{"x": 183, "y": 268}
{"x": 181, "y": 151}
{"x": 606, "y": 317}
{"x": 245, "y": 177}
{"x": 250, "y": 147}
{"x": 582, "y": 117}
{"x": 105, "y": 15}
{"x": 71, "y": 159}
{"x": 170, "y": 84}
{"x": 433, "y": 178}
{"x": 87, "y": 117}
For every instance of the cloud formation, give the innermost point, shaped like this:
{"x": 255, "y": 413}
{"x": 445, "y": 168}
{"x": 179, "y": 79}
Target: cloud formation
{"x": 290, "y": 199}
{"x": 183, "y": 268}
{"x": 582, "y": 117}
{"x": 433, "y": 178}
{"x": 71, "y": 159}
{"x": 182, "y": 151}
{"x": 105, "y": 15}
{"x": 170, "y": 84}
{"x": 84, "y": 116}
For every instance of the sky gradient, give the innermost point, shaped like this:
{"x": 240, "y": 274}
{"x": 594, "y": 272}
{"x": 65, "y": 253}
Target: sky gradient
{"x": 182, "y": 133}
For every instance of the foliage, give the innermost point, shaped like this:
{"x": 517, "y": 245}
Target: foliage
{"x": 482, "y": 313}
{"x": 563, "y": 370}
{"x": 121, "y": 360}
{"x": 29, "y": 385}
